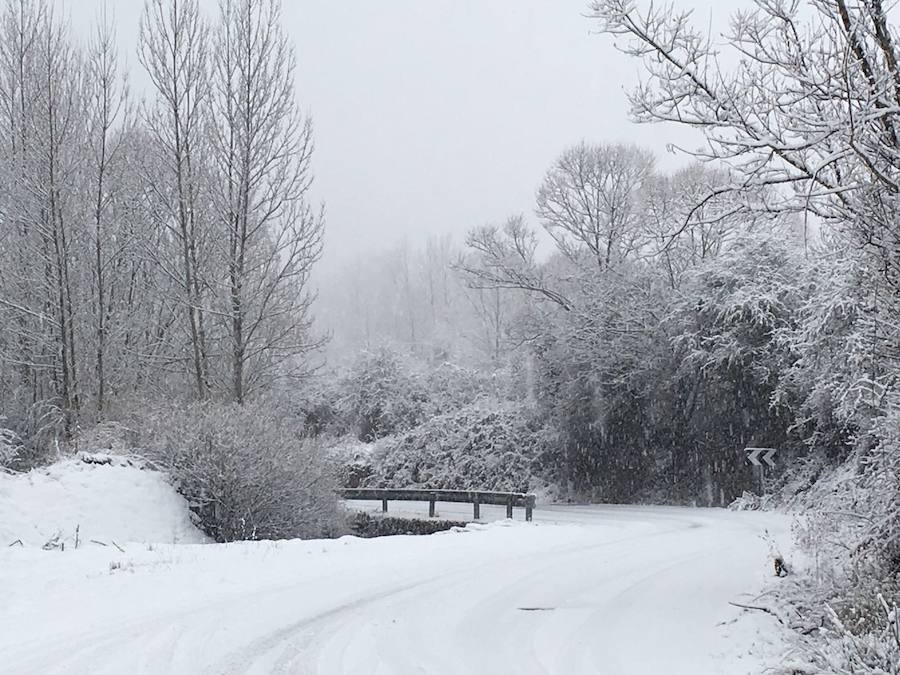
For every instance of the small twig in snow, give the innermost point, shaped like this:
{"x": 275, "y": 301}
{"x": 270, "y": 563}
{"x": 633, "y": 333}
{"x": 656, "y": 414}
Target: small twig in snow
{"x": 758, "y": 608}
{"x": 118, "y": 547}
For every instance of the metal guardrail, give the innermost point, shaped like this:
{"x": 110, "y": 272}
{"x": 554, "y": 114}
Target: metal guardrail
{"x": 474, "y": 497}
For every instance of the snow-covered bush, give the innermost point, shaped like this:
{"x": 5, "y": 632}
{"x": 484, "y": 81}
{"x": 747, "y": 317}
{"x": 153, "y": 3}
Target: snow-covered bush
{"x": 10, "y": 447}
{"x": 386, "y": 392}
{"x": 746, "y": 502}
{"x": 247, "y": 471}
{"x": 850, "y": 532}
{"x": 31, "y": 436}
{"x": 845, "y": 650}
{"x": 478, "y": 447}
{"x": 317, "y": 405}
{"x": 880, "y": 481}
{"x": 352, "y": 459}
{"x": 381, "y": 396}
{"x": 109, "y": 436}
{"x": 452, "y": 387}
{"x": 856, "y": 505}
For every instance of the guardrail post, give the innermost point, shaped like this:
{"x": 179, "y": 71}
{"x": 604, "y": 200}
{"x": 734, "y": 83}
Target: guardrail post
{"x": 431, "y": 507}
{"x": 509, "y": 501}
{"x": 384, "y": 505}
{"x": 476, "y": 509}
{"x": 529, "y": 509}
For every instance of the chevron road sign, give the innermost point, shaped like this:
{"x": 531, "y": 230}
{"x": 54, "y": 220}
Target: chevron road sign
{"x": 767, "y": 454}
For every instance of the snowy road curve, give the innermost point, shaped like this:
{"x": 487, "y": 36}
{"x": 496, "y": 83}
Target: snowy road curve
{"x": 582, "y": 590}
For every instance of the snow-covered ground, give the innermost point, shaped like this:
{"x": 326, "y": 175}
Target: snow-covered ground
{"x": 581, "y": 590}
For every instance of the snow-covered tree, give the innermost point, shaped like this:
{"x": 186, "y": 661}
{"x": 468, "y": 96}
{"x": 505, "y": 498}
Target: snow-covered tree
{"x": 174, "y": 50}
{"x": 261, "y": 151}
{"x": 590, "y": 199}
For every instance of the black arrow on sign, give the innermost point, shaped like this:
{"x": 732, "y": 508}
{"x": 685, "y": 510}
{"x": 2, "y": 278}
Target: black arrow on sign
{"x": 767, "y": 453}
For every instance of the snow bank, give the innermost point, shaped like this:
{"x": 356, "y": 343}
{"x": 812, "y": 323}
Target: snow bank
{"x": 107, "y": 502}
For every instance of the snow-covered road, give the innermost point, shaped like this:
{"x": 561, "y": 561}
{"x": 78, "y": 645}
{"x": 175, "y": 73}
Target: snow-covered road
{"x": 582, "y": 590}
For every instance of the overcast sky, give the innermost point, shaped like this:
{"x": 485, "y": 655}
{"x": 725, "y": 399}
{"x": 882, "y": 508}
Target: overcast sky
{"x": 434, "y": 116}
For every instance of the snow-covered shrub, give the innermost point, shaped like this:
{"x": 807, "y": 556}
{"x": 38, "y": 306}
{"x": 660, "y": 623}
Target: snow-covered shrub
{"x": 31, "y": 437}
{"x": 843, "y": 649}
{"x": 855, "y": 507}
{"x": 849, "y": 531}
{"x": 880, "y": 481}
{"x": 478, "y": 447}
{"x": 247, "y": 471}
{"x": 746, "y": 502}
{"x": 109, "y": 436}
{"x": 381, "y": 396}
{"x": 790, "y": 486}
{"x": 317, "y": 404}
{"x": 10, "y": 447}
{"x": 353, "y": 460}
{"x": 452, "y": 387}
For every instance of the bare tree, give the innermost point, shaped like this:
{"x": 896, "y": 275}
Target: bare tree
{"x": 406, "y": 297}
{"x": 26, "y": 322}
{"x": 107, "y": 107}
{"x": 504, "y": 257}
{"x": 41, "y": 95}
{"x": 60, "y": 87}
{"x": 436, "y": 273}
{"x": 263, "y": 148}
{"x": 589, "y": 201}
{"x": 683, "y": 225}
{"x": 173, "y": 50}
{"x": 491, "y": 307}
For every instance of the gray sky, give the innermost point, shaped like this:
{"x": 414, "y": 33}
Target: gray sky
{"x": 434, "y": 116}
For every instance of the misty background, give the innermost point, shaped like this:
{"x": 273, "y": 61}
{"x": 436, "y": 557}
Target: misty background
{"x": 433, "y": 117}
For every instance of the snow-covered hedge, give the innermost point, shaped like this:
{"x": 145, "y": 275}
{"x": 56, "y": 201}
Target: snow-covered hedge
{"x": 478, "y": 447}
{"x": 246, "y": 471}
